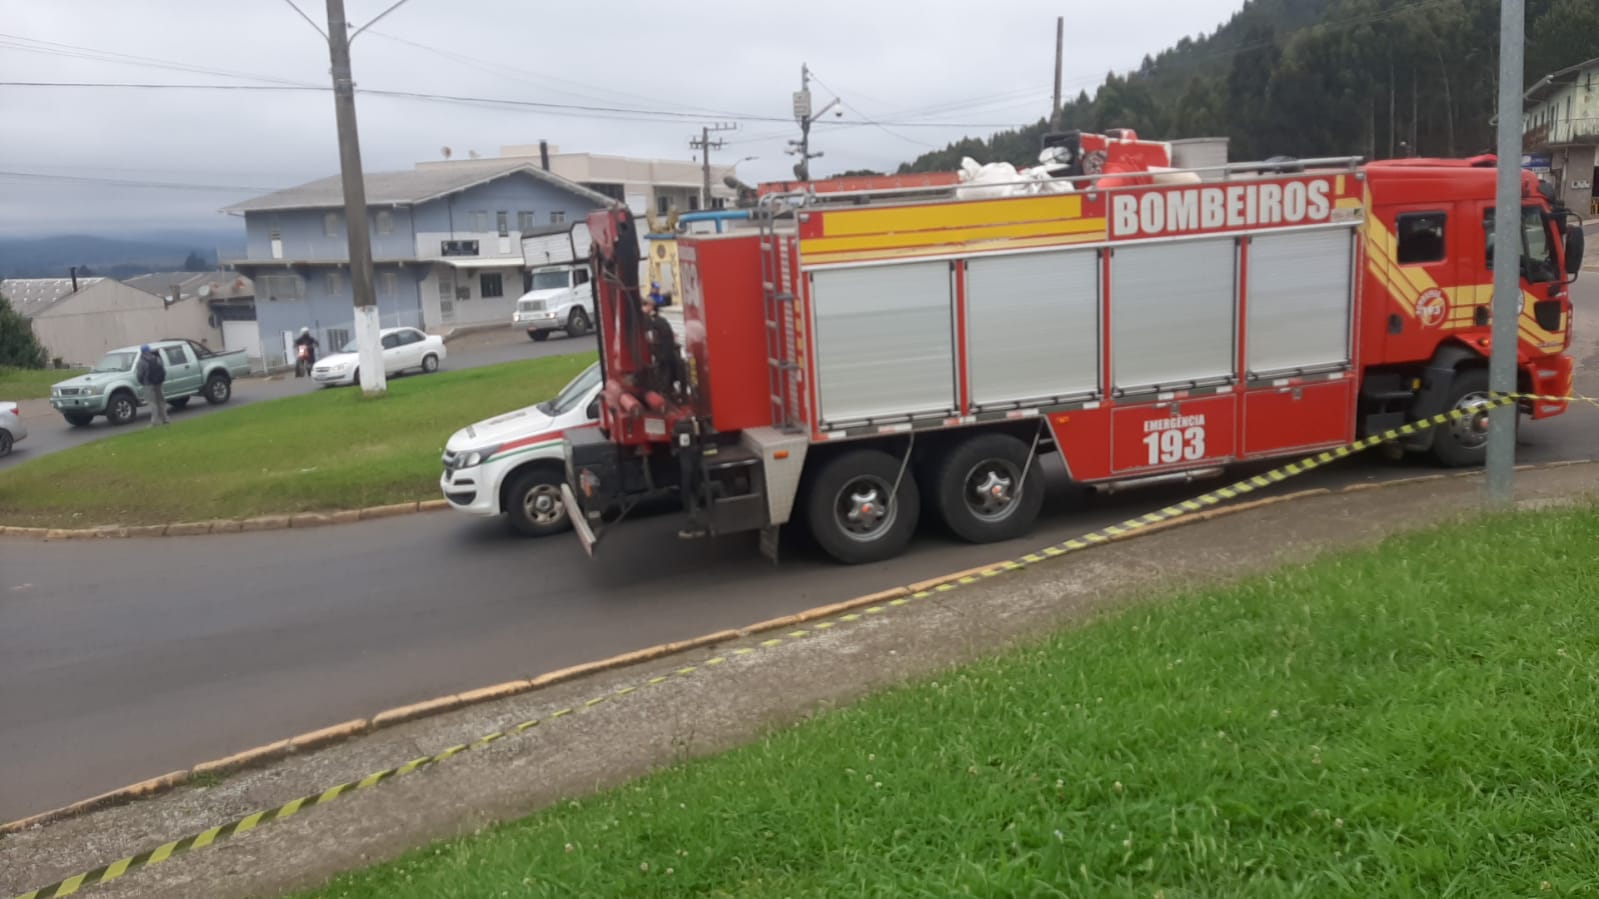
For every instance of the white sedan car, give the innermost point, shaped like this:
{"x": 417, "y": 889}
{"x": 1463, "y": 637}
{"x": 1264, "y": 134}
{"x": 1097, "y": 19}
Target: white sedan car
{"x": 403, "y": 349}
{"x": 11, "y": 427}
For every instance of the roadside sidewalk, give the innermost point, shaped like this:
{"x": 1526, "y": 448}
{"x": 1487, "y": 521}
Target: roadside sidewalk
{"x": 625, "y": 722}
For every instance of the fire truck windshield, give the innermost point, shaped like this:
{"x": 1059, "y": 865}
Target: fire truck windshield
{"x": 1537, "y": 249}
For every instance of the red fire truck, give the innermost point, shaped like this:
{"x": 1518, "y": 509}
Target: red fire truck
{"x": 856, "y": 362}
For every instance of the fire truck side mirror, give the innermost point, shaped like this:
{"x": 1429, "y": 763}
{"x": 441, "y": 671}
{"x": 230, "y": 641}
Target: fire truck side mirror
{"x": 593, "y": 411}
{"x": 1574, "y": 246}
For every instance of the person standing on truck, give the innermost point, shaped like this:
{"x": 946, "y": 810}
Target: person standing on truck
{"x": 663, "y": 345}
{"x": 151, "y": 372}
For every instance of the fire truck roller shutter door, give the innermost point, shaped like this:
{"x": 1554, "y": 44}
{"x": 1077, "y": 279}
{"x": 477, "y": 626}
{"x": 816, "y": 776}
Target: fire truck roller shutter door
{"x": 1300, "y": 299}
{"x": 1172, "y": 313}
{"x": 1032, "y": 326}
{"x": 885, "y": 345}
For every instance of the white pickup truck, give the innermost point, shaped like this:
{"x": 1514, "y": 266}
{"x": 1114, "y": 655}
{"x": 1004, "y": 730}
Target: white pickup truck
{"x": 513, "y": 464}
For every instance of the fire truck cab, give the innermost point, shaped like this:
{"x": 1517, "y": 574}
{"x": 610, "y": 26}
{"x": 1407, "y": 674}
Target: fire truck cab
{"x": 860, "y": 362}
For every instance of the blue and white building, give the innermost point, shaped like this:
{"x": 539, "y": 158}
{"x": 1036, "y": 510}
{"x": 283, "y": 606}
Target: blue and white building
{"x": 446, "y": 247}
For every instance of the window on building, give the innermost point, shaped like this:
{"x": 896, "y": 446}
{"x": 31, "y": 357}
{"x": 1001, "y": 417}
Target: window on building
{"x": 615, "y": 191}
{"x": 335, "y": 283}
{"x": 557, "y": 217}
{"x": 480, "y": 220}
{"x": 389, "y": 284}
{"x": 694, "y": 203}
{"x": 491, "y": 285}
{"x": 330, "y": 224}
{"x": 663, "y": 204}
{"x": 502, "y": 221}
{"x": 718, "y": 202}
{"x": 384, "y": 221}
{"x": 1421, "y": 237}
{"x": 281, "y": 287}
{"x": 525, "y": 221}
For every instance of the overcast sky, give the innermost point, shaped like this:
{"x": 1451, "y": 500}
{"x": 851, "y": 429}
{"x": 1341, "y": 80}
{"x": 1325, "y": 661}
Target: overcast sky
{"x": 938, "y": 69}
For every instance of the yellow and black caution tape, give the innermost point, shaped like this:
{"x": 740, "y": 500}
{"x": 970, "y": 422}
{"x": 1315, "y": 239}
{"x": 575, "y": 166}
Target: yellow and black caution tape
{"x": 123, "y": 866}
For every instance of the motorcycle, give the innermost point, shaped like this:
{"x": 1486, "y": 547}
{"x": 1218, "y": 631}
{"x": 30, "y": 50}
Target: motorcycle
{"x": 303, "y": 361}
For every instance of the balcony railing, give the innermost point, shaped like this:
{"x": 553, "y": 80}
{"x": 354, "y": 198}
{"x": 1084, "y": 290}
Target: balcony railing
{"x": 324, "y": 249}
{"x": 1570, "y": 131}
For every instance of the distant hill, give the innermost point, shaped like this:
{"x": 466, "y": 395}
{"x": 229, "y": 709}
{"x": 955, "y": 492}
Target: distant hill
{"x": 116, "y": 257}
{"x": 1306, "y": 78}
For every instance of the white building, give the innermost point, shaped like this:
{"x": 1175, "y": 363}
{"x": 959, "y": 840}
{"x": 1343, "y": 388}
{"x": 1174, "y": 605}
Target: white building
{"x": 655, "y": 186}
{"x": 1560, "y": 119}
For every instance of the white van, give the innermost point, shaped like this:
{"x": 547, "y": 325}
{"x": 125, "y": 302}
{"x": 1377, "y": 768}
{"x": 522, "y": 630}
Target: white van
{"x": 560, "y": 300}
{"x": 514, "y": 464}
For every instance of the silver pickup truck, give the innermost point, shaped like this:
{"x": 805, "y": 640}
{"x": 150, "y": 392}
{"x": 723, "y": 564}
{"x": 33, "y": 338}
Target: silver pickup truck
{"x": 110, "y": 388}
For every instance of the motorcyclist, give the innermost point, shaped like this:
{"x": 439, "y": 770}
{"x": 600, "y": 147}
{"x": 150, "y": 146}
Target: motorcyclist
{"x": 306, "y": 346}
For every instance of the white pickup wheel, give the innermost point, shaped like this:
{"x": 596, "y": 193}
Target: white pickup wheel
{"x": 983, "y": 496}
{"x": 532, "y": 503}
{"x": 854, "y": 512}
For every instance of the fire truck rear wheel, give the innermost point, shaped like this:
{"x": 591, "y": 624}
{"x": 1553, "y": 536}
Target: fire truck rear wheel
{"x": 982, "y": 494}
{"x": 854, "y": 512}
{"x": 1463, "y": 442}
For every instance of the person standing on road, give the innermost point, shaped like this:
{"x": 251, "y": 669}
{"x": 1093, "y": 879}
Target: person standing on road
{"x": 151, "y": 372}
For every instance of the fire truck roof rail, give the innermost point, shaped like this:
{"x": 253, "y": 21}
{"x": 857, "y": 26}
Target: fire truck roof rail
{"x": 777, "y": 203}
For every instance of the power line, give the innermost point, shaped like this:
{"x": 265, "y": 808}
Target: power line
{"x": 130, "y": 182}
{"x": 594, "y": 111}
{"x": 308, "y": 20}
{"x": 867, "y": 119}
{"x": 588, "y": 91}
{"x": 73, "y": 51}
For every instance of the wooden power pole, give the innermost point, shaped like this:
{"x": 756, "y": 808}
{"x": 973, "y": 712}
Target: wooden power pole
{"x": 705, "y": 146}
{"x": 368, "y": 323}
{"x": 1060, "y": 46}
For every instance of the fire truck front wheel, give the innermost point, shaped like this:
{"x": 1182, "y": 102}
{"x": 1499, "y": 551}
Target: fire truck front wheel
{"x": 1463, "y": 442}
{"x": 855, "y": 513}
{"x": 983, "y": 495}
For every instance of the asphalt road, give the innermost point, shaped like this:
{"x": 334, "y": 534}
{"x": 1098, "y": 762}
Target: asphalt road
{"x": 121, "y": 660}
{"x": 49, "y": 432}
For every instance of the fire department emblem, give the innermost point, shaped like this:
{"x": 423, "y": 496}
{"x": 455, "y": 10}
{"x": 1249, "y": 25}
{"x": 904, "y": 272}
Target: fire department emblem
{"x": 1432, "y": 307}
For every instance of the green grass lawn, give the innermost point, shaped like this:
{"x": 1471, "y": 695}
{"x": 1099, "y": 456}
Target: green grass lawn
{"x": 32, "y": 383}
{"x": 332, "y": 449}
{"x": 1413, "y": 721}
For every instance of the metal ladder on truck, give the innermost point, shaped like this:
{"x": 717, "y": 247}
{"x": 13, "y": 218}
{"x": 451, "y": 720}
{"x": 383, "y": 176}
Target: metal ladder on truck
{"x": 782, "y": 369}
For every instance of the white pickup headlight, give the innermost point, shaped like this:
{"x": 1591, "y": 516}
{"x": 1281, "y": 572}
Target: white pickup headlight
{"x": 477, "y": 457}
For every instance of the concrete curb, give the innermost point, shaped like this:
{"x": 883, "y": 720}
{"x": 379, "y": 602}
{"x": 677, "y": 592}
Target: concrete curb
{"x": 389, "y": 717}
{"x": 229, "y": 525}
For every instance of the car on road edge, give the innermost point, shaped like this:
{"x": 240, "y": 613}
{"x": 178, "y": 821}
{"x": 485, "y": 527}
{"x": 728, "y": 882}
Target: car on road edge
{"x": 11, "y": 427}
{"x": 110, "y": 388}
{"x": 403, "y": 349}
{"x": 513, "y": 464}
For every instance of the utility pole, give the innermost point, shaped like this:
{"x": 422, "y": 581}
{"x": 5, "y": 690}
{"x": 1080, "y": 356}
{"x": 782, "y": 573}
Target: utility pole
{"x": 374, "y": 381}
{"x": 1060, "y": 47}
{"x": 705, "y": 146}
{"x": 802, "y": 114}
{"x": 1506, "y": 255}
